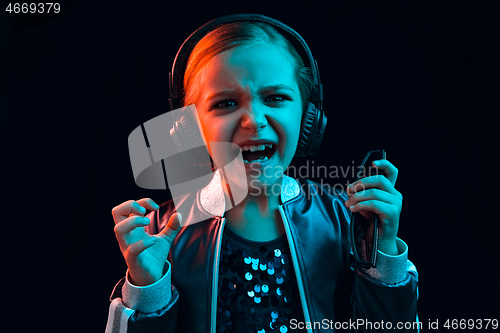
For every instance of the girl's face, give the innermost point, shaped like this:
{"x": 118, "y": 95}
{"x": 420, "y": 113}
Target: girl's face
{"x": 249, "y": 96}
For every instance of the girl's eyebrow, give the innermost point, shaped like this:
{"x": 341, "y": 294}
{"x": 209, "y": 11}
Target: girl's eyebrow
{"x": 261, "y": 91}
{"x": 276, "y": 87}
{"x": 219, "y": 93}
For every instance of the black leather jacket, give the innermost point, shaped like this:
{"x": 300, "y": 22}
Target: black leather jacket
{"x": 334, "y": 291}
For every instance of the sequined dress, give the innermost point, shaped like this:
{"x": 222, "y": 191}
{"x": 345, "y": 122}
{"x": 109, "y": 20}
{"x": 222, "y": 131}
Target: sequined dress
{"x": 257, "y": 287}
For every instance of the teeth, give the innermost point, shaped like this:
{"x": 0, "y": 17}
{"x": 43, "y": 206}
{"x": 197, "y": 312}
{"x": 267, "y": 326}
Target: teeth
{"x": 255, "y": 148}
{"x": 260, "y": 160}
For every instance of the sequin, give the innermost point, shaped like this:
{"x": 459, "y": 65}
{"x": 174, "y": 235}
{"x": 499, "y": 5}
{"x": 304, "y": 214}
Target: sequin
{"x": 256, "y": 287}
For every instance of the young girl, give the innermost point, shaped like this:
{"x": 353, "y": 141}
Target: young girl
{"x": 279, "y": 261}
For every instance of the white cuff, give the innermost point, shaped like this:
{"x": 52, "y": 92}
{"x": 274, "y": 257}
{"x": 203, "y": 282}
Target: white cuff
{"x": 390, "y": 269}
{"x": 149, "y": 298}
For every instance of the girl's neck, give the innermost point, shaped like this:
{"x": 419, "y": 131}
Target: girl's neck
{"x": 257, "y": 217}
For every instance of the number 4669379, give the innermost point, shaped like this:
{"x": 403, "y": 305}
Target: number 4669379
{"x": 40, "y": 7}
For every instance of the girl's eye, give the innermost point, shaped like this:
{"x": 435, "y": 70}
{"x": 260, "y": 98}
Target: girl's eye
{"x": 231, "y": 103}
{"x": 225, "y": 104}
{"x": 275, "y": 98}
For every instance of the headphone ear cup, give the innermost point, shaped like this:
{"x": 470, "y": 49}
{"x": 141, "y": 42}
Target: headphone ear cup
{"x": 308, "y": 121}
{"x": 187, "y": 137}
{"x": 311, "y": 132}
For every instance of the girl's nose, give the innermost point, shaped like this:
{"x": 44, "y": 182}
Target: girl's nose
{"x": 254, "y": 118}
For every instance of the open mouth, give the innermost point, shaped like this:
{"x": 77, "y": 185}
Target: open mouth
{"x": 258, "y": 154}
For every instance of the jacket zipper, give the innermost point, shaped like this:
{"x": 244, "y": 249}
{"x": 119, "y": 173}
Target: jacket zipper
{"x": 296, "y": 266}
{"x": 215, "y": 280}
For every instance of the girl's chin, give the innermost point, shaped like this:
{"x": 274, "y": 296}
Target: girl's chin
{"x": 264, "y": 185}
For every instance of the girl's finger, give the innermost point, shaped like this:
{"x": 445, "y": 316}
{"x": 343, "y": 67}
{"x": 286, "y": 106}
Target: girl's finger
{"x": 380, "y": 182}
{"x": 375, "y": 206}
{"x": 127, "y": 209}
{"x": 173, "y": 226}
{"x": 148, "y": 203}
{"x": 130, "y": 224}
{"x": 371, "y": 194}
{"x": 131, "y": 207}
{"x": 138, "y": 247}
{"x": 390, "y": 171}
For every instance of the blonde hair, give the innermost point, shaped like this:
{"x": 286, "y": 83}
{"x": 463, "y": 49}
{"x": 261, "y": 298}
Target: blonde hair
{"x": 236, "y": 34}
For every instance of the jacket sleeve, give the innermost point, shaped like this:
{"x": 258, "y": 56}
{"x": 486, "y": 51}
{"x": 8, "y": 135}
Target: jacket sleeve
{"x": 385, "y": 298}
{"x": 149, "y": 309}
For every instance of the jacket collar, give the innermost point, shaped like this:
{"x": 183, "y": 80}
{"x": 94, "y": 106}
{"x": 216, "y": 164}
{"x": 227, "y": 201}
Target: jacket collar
{"x": 213, "y": 199}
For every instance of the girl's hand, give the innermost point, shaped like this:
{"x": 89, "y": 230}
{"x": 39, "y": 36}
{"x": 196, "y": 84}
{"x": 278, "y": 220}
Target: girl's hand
{"x": 377, "y": 195}
{"x": 145, "y": 254}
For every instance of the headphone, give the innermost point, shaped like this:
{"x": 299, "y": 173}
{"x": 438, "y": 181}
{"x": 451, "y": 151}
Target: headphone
{"x": 185, "y": 132}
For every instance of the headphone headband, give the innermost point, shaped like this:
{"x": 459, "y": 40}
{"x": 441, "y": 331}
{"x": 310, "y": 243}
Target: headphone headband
{"x": 176, "y": 77}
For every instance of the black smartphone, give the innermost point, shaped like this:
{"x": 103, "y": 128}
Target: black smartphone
{"x": 358, "y": 222}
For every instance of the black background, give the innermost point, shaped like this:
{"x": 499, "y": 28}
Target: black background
{"x": 418, "y": 79}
